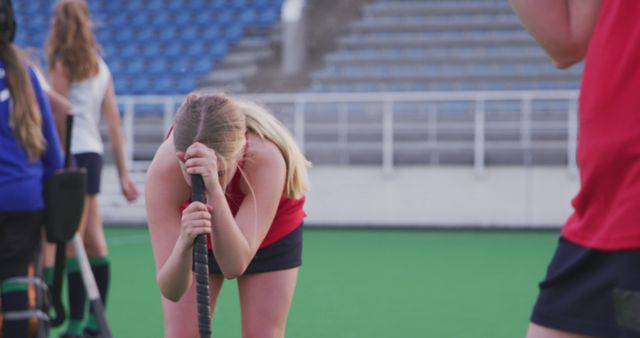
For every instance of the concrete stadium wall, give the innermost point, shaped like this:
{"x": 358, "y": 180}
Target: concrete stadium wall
{"x": 511, "y": 197}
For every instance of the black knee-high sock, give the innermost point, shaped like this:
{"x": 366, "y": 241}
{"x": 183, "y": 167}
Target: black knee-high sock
{"x": 14, "y": 298}
{"x": 77, "y": 297}
{"x": 100, "y": 267}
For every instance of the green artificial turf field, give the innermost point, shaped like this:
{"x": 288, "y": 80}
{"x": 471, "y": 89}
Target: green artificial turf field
{"x": 366, "y": 283}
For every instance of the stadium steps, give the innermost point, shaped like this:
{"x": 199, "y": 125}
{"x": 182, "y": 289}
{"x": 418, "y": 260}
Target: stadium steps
{"x": 434, "y": 8}
{"x": 425, "y": 41}
{"x": 342, "y": 59}
{"x": 240, "y": 64}
{"x": 389, "y": 24}
{"x": 438, "y": 45}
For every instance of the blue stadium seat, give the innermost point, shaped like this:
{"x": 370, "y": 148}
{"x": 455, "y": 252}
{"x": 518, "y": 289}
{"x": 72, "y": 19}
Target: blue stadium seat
{"x": 189, "y": 32}
{"x": 129, "y": 51}
{"x": 195, "y": 49}
{"x": 141, "y": 20}
{"x": 173, "y": 49}
{"x": 145, "y": 34}
{"x": 248, "y": 15}
{"x": 134, "y": 67}
{"x": 202, "y": 66}
{"x": 268, "y": 17}
{"x": 161, "y": 19}
{"x": 218, "y": 49}
{"x": 116, "y": 66}
{"x": 204, "y": 18}
{"x": 159, "y": 46}
{"x": 157, "y": 66}
{"x": 210, "y": 33}
{"x": 151, "y": 50}
{"x": 164, "y": 85}
{"x": 140, "y": 85}
{"x": 167, "y": 35}
{"x": 120, "y": 21}
{"x": 233, "y": 33}
{"x": 182, "y": 19}
{"x": 185, "y": 84}
{"x": 121, "y": 84}
{"x": 180, "y": 66}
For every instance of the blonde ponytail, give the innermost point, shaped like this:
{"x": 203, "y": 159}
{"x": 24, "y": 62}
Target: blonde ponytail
{"x": 261, "y": 122}
{"x": 26, "y": 119}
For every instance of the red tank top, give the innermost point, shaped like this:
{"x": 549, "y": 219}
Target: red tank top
{"x": 288, "y": 217}
{"x": 607, "y": 208}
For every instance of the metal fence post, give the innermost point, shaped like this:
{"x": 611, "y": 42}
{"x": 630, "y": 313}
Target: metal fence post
{"x": 525, "y": 131}
{"x": 128, "y": 129}
{"x": 479, "y": 141}
{"x": 432, "y": 132}
{"x": 387, "y": 136}
{"x": 343, "y": 128}
{"x": 299, "y": 121}
{"x": 167, "y": 118}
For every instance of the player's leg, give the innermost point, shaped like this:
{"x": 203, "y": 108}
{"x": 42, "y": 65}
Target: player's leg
{"x": 96, "y": 247}
{"x": 181, "y": 317}
{"x": 266, "y": 289}
{"x": 579, "y": 296}
{"x": 537, "y": 331}
{"x": 265, "y": 299}
{"x": 92, "y": 163}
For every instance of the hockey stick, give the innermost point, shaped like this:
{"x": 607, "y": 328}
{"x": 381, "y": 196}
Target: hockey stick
{"x": 201, "y": 265}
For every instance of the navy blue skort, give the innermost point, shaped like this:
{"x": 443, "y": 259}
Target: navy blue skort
{"x": 92, "y": 162}
{"x": 284, "y": 254}
{"x": 591, "y": 292}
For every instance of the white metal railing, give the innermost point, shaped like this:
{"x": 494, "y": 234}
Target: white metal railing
{"x": 385, "y": 108}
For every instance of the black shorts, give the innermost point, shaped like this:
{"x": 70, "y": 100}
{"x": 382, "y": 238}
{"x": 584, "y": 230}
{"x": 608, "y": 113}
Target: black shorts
{"x": 284, "y": 254}
{"x": 591, "y": 292}
{"x": 92, "y": 162}
{"x": 19, "y": 240}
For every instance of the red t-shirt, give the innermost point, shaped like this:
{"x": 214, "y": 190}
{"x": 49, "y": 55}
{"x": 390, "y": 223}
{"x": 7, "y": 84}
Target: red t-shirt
{"x": 288, "y": 217}
{"x": 607, "y": 208}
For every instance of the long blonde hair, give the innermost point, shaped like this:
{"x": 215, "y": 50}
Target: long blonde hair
{"x": 26, "y": 118}
{"x": 261, "y": 122}
{"x": 221, "y": 122}
{"x": 71, "y": 40}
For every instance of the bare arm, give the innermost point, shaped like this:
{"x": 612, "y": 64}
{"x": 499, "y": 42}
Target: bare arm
{"x": 112, "y": 117}
{"x": 165, "y": 192}
{"x": 265, "y": 177}
{"x": 60, "y": 105}
{"x": 60, "y": 82}
{"x": 562, "y": 27}
{"x": 236, "y": 240}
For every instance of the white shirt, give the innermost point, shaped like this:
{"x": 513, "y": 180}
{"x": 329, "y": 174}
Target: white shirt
{"x": 86, "y": 97}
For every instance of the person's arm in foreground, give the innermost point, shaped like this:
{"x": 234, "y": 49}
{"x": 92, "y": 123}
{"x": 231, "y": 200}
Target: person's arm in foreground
{"x": 562, "y": 27}
{"x": 236, "y": 240}
{"x": 52, "y": 158}
{"x": 172, "y": 244}
{"x": 60, "y": 105}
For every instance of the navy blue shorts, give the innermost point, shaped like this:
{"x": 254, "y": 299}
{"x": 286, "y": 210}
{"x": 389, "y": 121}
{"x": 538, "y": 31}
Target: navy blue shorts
{"x": 591, "y": 292}
{"x": 92, "y": 162}
{"x": 284, "y": 254}
{"x": 19, "y": 241}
